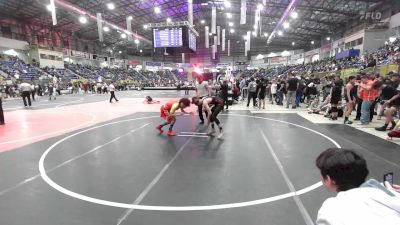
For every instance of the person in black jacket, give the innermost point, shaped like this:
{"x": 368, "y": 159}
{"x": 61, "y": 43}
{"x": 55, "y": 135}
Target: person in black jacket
{"x": 224, "y": 93}
{"x": 1, "y": 112}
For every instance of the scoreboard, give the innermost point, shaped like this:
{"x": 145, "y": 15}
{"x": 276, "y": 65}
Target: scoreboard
{"x": 168, "y": 37}
{"x": 175, "y": 39}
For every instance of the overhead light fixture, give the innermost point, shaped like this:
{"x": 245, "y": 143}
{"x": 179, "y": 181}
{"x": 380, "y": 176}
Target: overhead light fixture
{"x": 328, "y": 38}
{"x": 157, "y": 10}
{"x": 255, "y": 27}
{"x": 312, "y": 42}
{"x": 111, "y": 51}
{"x": 227, "y": 4}
{"x": 110, "y": 6}
{"x": 280, "y": 33}
{"x": 202, "y": 22}
{"x": 294, "y": 15}
{"x": 82, "y": 19}
{"x": 136, "y": 41}
{"x": 286, "y": 25}
{"x": 254, "y": 33}
{"x": 106, "y": 29}
{"x": 260, "y": 6}
{"x": 245, "y": 37}
{"x": 204, "y": 3}
{"x": 130, "y": 17}
{"x": 140, "y": 50}
{"x": 120, "y": 52}
{"x": 123, "y": 35}
{"x": 232, "y": 31}
{"x": 145, "y": 26}
{"x": 229, "y": 15}
{"x": 231, "y": 24}
{"x": 265, "y": 34}
{"x": 209, "y": 34}
{"x": 169, "y": 20}
{"x": 293, "y": 43}
{"x": 49, "y": 8}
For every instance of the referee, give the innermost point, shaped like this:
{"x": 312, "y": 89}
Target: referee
{"x": 202, "y": 92}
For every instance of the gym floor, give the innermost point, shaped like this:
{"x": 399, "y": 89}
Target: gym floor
{"x": 83, "y": 161}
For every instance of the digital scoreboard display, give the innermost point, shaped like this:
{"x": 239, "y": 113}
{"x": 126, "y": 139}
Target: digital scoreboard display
{"x": 192, "y": 41}
{"x": 168, "y": 37}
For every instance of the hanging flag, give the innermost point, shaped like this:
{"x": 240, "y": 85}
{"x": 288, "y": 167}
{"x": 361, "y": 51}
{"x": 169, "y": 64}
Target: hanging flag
{"x": 245, "y": 48}
{"x": 206, "y": 37}
{"x": 229, "y": 47}
{"x": 213, "y": 20}
{"x": 100, "y": 27}
{"x": 129, "y": 28}
{"x": 214, "y": 49}
{"x": 190, "y": 12}
{"x": 248, "y": 40}
{"x": 215, "y": 46}
{"x": 243, "y": 11}
{"x": 223, "y": 40}
{"x": 218, "y": 35}
{"x": 53, "y": 12}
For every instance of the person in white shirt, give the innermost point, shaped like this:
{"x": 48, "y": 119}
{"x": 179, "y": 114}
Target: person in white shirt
{"x": 33, "y": 91}
{"x": 202, "y": 92}
{"x": 111, "y": 87}
{"x": 26, "y": 93}
{"x": 358, "y": 201}
{"x": 274, "y": 89}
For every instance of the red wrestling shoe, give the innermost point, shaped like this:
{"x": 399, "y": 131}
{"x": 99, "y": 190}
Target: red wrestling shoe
{"x": 171, "y": 133}
{"x": 159, "y": 127}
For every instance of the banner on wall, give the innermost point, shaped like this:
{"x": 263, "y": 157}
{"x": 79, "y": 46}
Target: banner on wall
{"x": 80, "y": 54}
{"x": 277, "y": 60}
{"x": 154, "y": 64}
{"x": 312, "y": 52}
{"x": 134, "y": 62}
{"x": 326, "y": 48}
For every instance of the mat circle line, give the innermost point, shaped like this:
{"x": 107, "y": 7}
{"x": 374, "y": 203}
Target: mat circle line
{"x": 65, "y": 191}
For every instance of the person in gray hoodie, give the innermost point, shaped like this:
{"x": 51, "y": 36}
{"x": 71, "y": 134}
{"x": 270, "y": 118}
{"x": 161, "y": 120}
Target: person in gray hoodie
{"x": 358, "y": 201}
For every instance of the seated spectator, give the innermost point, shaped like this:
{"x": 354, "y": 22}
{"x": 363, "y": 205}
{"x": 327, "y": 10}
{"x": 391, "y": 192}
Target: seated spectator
{"x": 358, "y": 201}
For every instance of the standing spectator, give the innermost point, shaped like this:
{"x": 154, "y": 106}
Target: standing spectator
{"x": 1, "y": 111}
{"x": 357, "y": 201}
{"x": 350, "y": 96}
{"x": 252, "y": 88}
{"x": 33, "y": 91}
{"x": 261, "y": 92}
{"x": 291, "y": 85}
{"x": 299, "y": 93}
{"x": 367, "y": 95}
{"x": 336, "y": 95}
{"x": 274, "y": 90}
{"x": 224, "y": 93}
{"x": 111, "y": 87}
{"x": 52, "y": 91}
{"x": 26, "y": 93}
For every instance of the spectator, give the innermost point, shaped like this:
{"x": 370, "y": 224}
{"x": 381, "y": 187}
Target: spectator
{"x": 358, "y": 201}
{"x": 1, "y": 111}
{"x": 111, "y": 87}
{"x": 224, "y": 93}
{"x": 26, "y": 93}
{"x": 291, "y": 85}
{"x": 391, "y": 102}
{"x": 367, "y": 95}
{"x": 252, "y": 92}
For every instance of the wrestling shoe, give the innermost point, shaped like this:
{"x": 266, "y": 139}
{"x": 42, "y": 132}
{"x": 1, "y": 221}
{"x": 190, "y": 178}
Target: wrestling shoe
{"x": 211, "y": 132}
{"x": 171, "y": 133}
{"x": 220, "y": 133}
{"x": 159, "y": 127}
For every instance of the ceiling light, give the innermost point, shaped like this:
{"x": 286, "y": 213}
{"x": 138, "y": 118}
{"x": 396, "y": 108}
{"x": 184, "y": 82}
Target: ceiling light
{"x": 231, "y": 24}
{"x": 83, "y": 19}
{"x": 232, "y": 31}
{"x": 110, "y": 6}
{"x": 265, "y": 34}
{"x": 157, "y": 10}
{"x": 202, "y": 22}
{"x": 328, "y": 38}
{"x": 106, "y": 29}
{"x": 49, "y": 7}
{"x": 111, "y": 51}
{"x": 120, "y": 52}
{"x": 209, "y": 34}
{"x": 245, "y": 37}
{"x": 204, "y": 3}
{"x": 293, "y": 43}
{"x": 169, "y": 20}
{"x": 254, "y": 33}
{"x": 123, "y": 35}
{"x": 294, "y": 15}
{"x": 145, "y": 26}
{"x": 136, "y": 41}
{"x": 260, "y": 6}
{"x": 312, "y": 42}
{"x": 280, "y": 33}
{"x": 286, "y": 25}
{"x": 255, "y": 27}
{"x": 227, "y": 4}
{"x": 229, "y": 15}
{"x": 130, "y": 17}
